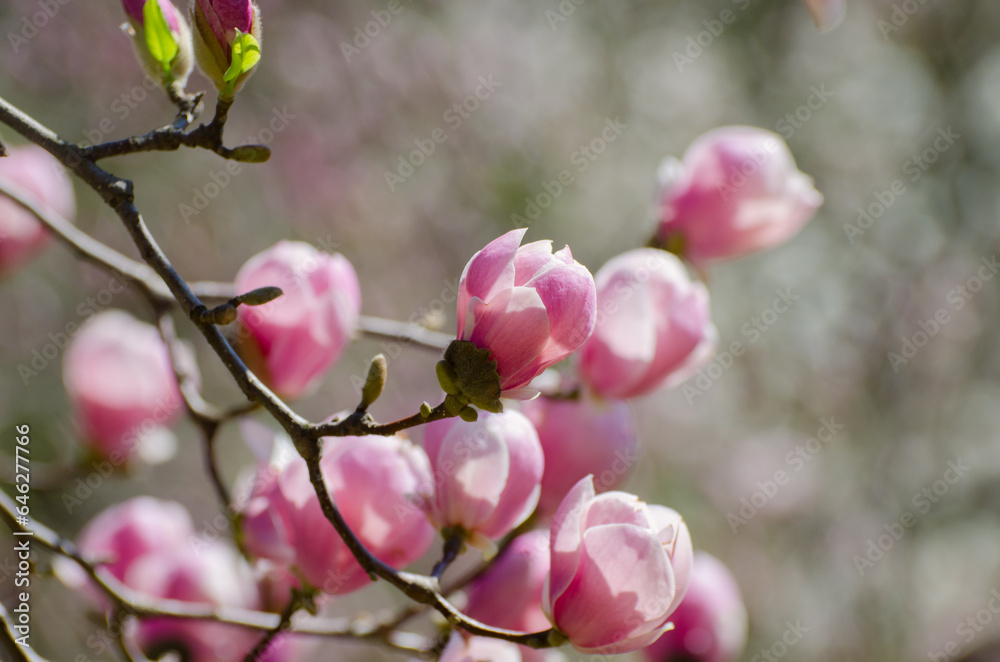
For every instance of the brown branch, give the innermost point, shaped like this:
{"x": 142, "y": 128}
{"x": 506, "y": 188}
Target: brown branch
{"x": 9, "y": 638}
{"x": 404, "y": 332}
{"x": 283, "y": 625}
{"x": 139, "y": 605}
{"x": 117, "y": 193}
{"x": 172, "y": 137}
{"x": 89, "y": 249}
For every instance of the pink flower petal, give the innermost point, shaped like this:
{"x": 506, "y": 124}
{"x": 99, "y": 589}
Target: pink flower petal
{"x": 490, "y": 271}
{"x": 567, "y": 536}
{"x": 622, "y": 589}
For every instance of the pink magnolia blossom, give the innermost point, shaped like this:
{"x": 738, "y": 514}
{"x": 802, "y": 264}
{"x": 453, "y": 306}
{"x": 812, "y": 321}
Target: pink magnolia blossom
{"x": 151, "y": 547}
{"x": 215, "y": 24}
{"x": 529, "y": 307}
{"x": 619, "y": 570}
{"x": 226, "y": 16}
{"x": 372, "y": 480}
{"x": 214, "y": 575}
{"x": 38, "y": 174}
{"x": 654, "y": 326}
{"x": 475, "y": 649}
{"x": 580, "y": 437}
{"x": 710, "y": 624}
{"x": 139, "y": 527}
{"x": 736, "y": 192}
{"x": 302, "y": 333}
{"x": 463, "y": 648}
{"x": 182, "y": 62}
{"x": 828, "y": 14}
{"x": 120, "y": 381}
{"x": 134, "y": 8}
{"x": 487, "y": 474}
{"x": 509, "y": 594}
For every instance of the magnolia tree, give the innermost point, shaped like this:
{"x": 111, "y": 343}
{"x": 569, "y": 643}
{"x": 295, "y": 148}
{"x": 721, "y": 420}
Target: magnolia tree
{"x": 519, "y": 459}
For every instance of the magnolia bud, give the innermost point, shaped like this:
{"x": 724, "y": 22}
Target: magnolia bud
{"x": 226, "y": 41}
{"x": 162, "y": 40}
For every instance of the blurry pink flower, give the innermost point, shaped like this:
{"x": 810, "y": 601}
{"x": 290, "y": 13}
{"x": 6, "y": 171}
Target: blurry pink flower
{"x": 710, "y": 624}
{"x": 580, "y": 437}
{"x": 487, "y": 474}
{"x": 828, "y": 14}
{"x": 374, "y": 482}
{"x": 150, "y": 546}
{"x": 736, "y": 192}
{"x": 619, "y": 569}
{"x": 32, "y": 169}
{"x": 464, "y": 648}
{"x": 303, "y": 332}
{"x": 120, "y": 381}
{"x": 479, "y": 649}
{"x": 214, "y": 575}
{"x": 141, "y": 526}
{"x": 509, "y": 594}
{"x": 528, "y": 307}
{"x": 654, "y": 326}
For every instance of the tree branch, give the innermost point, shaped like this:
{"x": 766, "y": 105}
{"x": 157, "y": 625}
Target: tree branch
{"x": 139, "y": 605}
{"x": 404, "y": 332}
{"x": 18, "y": 652}
{"x": 117, "y": 193}
{"x": 172, "y": 137}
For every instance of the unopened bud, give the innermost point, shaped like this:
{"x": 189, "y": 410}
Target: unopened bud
{"x": 250, "y": 153}
{"x": 162, "y": 39}
{"x": 378, "y": 371}
{"x": 226, "y": 41}
{"x": 259, "y": 297}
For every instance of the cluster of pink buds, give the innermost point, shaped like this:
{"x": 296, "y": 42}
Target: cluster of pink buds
{"x": 225, "y": 41}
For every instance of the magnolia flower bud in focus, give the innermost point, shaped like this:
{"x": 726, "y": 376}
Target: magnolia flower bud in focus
{"x": 227, "y": 37}
{"x": 162, "y": 39}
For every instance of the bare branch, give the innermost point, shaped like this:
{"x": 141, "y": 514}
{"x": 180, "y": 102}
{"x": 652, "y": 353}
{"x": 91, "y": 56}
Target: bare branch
{"x": 117, "y": 194}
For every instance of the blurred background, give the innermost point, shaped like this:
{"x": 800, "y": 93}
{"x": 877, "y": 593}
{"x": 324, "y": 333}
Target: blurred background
{"x": 906, "y": 95}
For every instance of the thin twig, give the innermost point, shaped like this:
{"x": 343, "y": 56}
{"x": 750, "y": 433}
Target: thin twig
{"x": 170, "y": 138}
{"x": 89, "y": 249}
{"x": 452, "y": 547}
{"x": 286, "y": 621}
{"x": 404, "y": 332}
{"x": 139, "y": 605}
{"x": 9, "y": 638}
{"x": 117, "y": 193}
